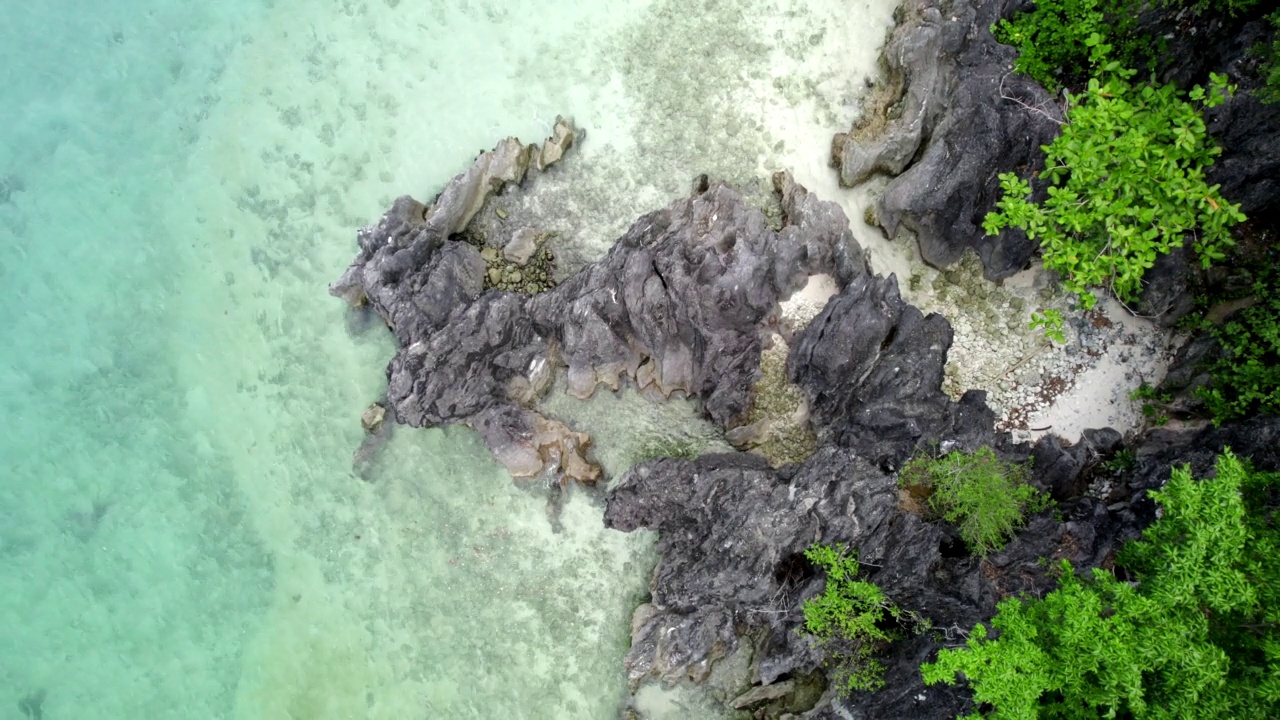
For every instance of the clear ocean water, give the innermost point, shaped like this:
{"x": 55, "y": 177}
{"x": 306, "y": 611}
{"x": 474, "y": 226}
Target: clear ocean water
{"x": 181, "y": 533}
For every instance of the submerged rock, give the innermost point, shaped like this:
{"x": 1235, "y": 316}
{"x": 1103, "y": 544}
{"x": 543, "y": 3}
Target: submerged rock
{"x": 373, "y": 417}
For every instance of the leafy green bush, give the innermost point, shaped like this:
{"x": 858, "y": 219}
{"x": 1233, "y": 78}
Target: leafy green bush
{"x": 848, "y": 617}
{"x": 1127, "y": 185}
{"x": 985, "y": 496}
{"x": 1052, "y": 40}
{"x": 1198, "y": 636}
{"x": 1246, "y": 376}
{"x": 1270, "y": 54}
{"x": 1050, "y": 320}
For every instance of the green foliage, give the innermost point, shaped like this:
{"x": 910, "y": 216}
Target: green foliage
{"x": 985, "y": 496}
{"x": 1056, "y": 40}
{"x": 1127, "y": 185}
{"x": 1246, "y": 376}
{"x": 848, "y": 617}
{"x": 1198, "y": 636}
{"x": 1270, "y": 54}
{"x": 1147, "y": 391}
{"x": 1154, "y": 410}
{"x": 1122, "y": 462}
{"x": 1049, "y": 320}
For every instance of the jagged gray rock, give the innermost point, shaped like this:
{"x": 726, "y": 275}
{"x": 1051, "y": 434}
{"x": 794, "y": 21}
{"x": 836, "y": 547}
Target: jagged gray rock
{"x": 951, "y": 117}
{"x": 678, "y": 306}
{"x": 1059, "y": 467}
{"x": 872, "y": 368}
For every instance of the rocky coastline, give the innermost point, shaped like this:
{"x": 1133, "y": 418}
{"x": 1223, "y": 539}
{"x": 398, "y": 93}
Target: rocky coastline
{"x": 689, "y": 302}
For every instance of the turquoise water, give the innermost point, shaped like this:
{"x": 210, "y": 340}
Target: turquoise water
{"x": 181, "y": 535}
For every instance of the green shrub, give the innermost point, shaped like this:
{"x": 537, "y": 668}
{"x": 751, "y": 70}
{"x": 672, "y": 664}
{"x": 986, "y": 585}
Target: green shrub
{"x": 1246, "y": 376}
{"x": 848, "y": 617}
{"x": 1122, "y": 462}
{"x": 1050, "y": 321}
{"x": 1155, "y": 405}
{"x": 1270, "y": 69}
{"x": 983, "y": 495}
{"x": 1052, "y": 40}
{"x": 1126, "y": 185}
{"x": 1197, "y": 636}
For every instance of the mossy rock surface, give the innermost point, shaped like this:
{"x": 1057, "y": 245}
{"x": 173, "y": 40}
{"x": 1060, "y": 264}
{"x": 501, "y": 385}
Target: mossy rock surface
{"x": 533, "y": 277}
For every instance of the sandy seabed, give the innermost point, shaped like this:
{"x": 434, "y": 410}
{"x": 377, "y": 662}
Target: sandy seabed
{"x": 181, "y": 534}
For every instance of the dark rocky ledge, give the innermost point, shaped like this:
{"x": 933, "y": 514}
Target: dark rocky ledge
{"x": 948, "y": 119}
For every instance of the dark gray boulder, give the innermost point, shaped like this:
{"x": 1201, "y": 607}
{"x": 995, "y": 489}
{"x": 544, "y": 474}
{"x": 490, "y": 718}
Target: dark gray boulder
{"x": 951, "y": 118}
{"x": 1059, "y": 467}
{"x": 872, "y": 366}
{"x": 1169, "y": 288}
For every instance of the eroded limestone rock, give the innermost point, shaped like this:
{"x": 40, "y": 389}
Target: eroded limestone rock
{"x": 678, "y": 306}
{"x": 951, "y": 116}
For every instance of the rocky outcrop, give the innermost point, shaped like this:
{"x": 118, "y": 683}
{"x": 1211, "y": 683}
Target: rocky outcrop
{"x": 949, "y": 118}
{"x": 678, "y": 306}
{"x": 732, "y": 577}
{"x": 872, "y": 367}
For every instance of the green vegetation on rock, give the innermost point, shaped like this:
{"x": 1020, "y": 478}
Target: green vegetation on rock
{"x": 1246, "y": 374}
{"x": 1127, "y": 184}
{"x": 1197, "y": 636}
{"x": 1230, "y": 8}
{"x": 1053, "y": 37}
{"x": 849, "y": 618}
{"x": 1270, "y": 70}
{"x": 987, "y": 498}
{"x": 1126, "y": 178}
{"x": 1053, "y": 40}
{"x": 788, "y": 438}
{"x": 655, "y": 446}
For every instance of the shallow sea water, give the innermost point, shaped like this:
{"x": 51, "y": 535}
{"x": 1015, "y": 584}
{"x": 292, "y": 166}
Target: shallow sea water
{"x": 181, "y": 534}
